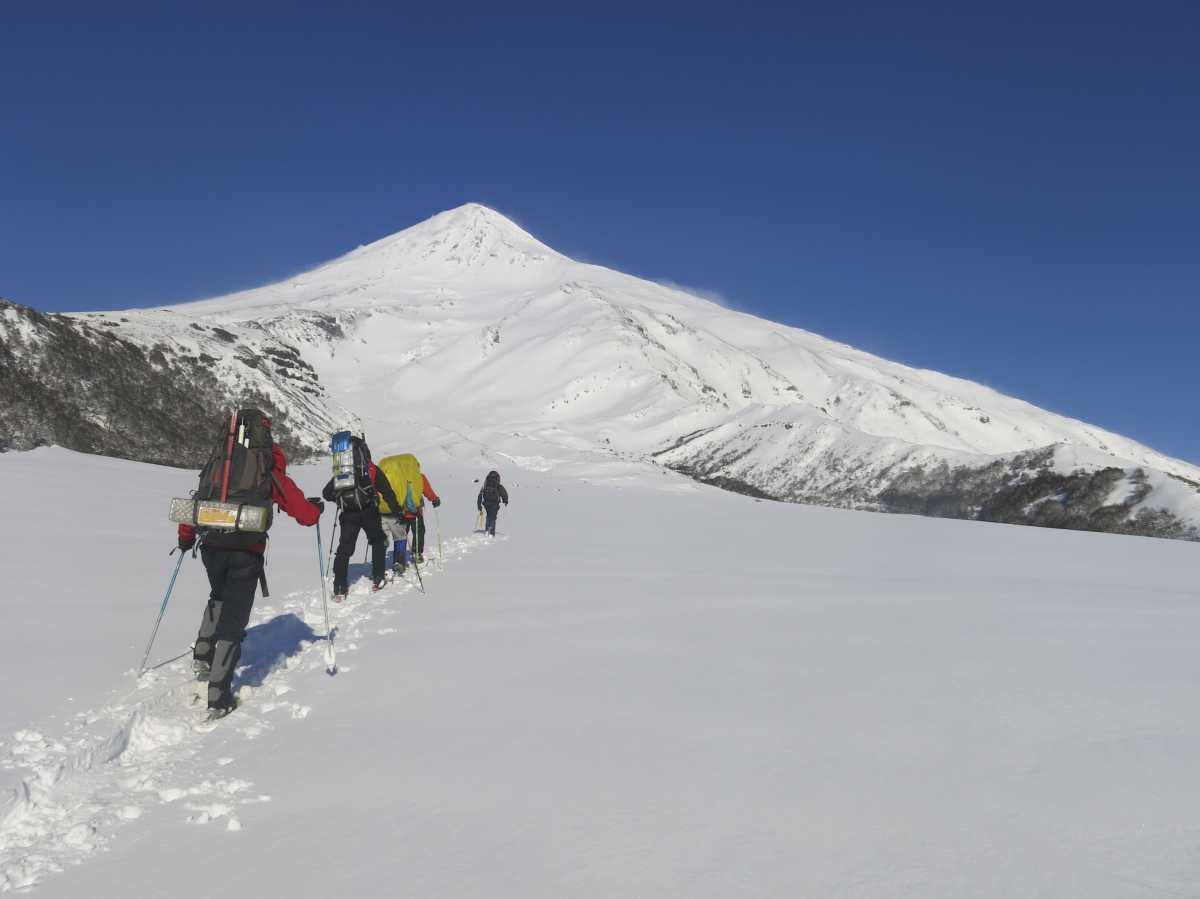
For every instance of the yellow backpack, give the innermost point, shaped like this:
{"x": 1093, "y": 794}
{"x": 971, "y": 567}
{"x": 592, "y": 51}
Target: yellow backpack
{"x": 404, "y": 474}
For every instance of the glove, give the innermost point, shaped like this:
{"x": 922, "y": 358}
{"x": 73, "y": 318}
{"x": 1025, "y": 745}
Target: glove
{"x": 186, "y": 543}
{"x": 436, "y": 503}
{"x": 318, "y": 502}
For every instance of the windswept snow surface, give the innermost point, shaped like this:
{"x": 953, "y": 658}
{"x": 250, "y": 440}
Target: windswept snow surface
{"x": 642, "y": 688}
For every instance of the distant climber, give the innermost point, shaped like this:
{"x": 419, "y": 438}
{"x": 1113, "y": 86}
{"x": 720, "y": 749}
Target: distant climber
{"x": 489, "y": 499}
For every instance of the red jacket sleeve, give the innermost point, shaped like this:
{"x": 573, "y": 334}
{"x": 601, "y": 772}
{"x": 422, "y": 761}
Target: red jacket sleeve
{"x": 291, "y": 500}
{"x": 428, "y": 490}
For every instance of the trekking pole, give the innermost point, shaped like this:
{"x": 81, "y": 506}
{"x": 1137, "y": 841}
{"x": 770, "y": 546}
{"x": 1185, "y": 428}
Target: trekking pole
{"x": 330, "y": 654}
{"x": 161, "y": 610}
{"x": 332, "y": 544}
{"x": 417, "y": 569}
{"x": 441, "y": 552}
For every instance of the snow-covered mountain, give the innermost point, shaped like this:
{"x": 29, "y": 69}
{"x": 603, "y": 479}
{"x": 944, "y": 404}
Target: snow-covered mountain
{"x": 465, "y": 332}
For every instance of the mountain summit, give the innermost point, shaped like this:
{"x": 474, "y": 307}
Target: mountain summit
{"x": 471, "y": 237}
{"x": 470, "y": 245}
{"x": 465, "y": 335}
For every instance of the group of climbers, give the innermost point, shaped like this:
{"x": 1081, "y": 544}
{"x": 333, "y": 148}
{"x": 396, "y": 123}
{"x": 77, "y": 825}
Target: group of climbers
{"x": 380, "y": 499}
{"x": 245, "y": 478}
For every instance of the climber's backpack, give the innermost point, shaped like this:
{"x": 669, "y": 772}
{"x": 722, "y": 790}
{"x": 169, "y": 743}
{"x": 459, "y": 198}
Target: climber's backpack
{"x": 352, "y": 472}
{"x": 404, "y": 474}
{"x": 232, "y": 505}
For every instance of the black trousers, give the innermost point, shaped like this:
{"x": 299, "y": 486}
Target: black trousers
{"x": 416, "y": 527}
{"x": 233, "y": 577}
{"x": 490, "y": 524}
{"x": 351, "y": 523}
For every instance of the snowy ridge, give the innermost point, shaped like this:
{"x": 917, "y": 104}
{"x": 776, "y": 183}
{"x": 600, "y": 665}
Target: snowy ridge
{"x": 152, "y": 744}
{"x": 467, "y": 324}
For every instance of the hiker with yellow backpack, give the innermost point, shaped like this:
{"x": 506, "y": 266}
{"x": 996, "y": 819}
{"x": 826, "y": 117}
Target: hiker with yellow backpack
{"x": 412, "y": 489}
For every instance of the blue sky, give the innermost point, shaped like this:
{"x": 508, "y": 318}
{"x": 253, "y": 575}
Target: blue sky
{"x": 1012, "y": 198}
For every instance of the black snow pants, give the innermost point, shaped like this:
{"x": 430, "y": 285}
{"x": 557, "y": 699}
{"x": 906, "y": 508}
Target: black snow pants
{"x": 416, "y": 527}
{"x": 233, "y": 576}
{"x": 490, "y": 524}
{"x": 351, "y": 524}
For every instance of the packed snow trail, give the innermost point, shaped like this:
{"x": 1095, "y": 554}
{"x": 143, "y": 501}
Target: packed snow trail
{"x": 152, "y": 744}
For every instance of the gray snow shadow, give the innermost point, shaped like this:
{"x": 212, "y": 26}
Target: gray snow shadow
{"x": 355, "y": 570}
{"x": 268, "y": 644}
{"x": 359, "y": 569}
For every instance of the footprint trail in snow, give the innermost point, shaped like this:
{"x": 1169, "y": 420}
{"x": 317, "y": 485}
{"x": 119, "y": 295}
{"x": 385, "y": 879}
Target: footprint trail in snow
{"x": 152, "y": 745}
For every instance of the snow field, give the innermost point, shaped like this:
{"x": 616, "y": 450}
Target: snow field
{"x": 149, "y": 745}
{"x": 650, "y": 688}
{"x": 76, "y": 782}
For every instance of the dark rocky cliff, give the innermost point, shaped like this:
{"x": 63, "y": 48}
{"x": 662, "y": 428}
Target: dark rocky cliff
{"x": 86, "y": 387}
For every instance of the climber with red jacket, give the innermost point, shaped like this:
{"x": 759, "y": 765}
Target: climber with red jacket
{"x": 234, "y": 563}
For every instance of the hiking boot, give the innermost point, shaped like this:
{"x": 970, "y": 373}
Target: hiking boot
{"x": 399, "y": 569}
{"x": 221, "y": 709}
{"x": 339, "y": 592}
{"x": 379, "y": 585}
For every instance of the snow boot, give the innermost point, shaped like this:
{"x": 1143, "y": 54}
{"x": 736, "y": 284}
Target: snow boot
{"x": 217, "y": 712}
{"x": 379, "y": 585}
{"x": 339, "y": 592}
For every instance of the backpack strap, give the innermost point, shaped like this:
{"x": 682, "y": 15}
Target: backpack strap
{"x": 228, "y": 456}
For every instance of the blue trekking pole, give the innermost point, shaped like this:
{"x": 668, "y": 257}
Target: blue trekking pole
{"x": 330, "y": 655}
{"x": 162, "y": 609}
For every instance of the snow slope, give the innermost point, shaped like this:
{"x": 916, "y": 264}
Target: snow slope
{"x": 471, "y": 273}
{"x": 466, "y": 330}
{"x": 644, "y": 687}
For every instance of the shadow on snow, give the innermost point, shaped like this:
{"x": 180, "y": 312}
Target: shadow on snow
{"x": 269, "y": 644}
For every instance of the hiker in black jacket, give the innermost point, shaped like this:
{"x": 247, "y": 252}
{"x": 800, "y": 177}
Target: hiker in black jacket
{"x": 489, "y": 499}
{"x": 361, "y": 515}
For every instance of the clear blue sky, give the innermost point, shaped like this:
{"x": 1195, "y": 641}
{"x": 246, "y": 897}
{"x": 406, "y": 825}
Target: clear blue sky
{"x": 1014, "y": 198}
